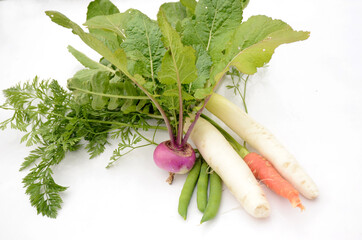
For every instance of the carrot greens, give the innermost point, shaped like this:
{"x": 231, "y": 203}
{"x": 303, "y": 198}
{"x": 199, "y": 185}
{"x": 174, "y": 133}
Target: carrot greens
{"x": 55, "y": 124}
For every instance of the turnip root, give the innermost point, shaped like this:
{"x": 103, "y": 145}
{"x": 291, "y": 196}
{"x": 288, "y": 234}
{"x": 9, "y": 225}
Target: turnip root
{"x": 172, "y": 159}
{"x": 234, "y": 172}
{"x": 263, "y": 141}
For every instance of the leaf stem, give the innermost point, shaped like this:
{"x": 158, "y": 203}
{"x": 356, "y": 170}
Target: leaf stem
{"x": 236, "y": 87}
{"x": 180, "y": 118}
{"x": 154, "y": 134}
{"x": 148, "y": 140}
{"x": 242, "y": 150}
{"x": 244, "y": 95}
{"x": 109, "y": 95}
{"x": 181, "y": 110}
{"x": 165, "y": 118}
{"x": 197, "y": 116}
{"x": 91, "y": 120}
{"x": 174, "y": 114}
{"x": 113, "y": 160}
{"x": 212, "y": 27}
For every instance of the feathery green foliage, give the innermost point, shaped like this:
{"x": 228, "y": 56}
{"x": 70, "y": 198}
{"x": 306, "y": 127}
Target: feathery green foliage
{"x": 55, "y": 124}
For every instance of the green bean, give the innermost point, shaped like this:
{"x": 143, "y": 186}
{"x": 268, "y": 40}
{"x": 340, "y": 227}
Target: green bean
{"x": 202, "y": 185}
{"x": 188, "y": 189}
{"x": 213, "y": 203}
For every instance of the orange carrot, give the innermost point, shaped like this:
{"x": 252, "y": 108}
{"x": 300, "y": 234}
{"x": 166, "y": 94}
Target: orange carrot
{"x": 264, "y": 171}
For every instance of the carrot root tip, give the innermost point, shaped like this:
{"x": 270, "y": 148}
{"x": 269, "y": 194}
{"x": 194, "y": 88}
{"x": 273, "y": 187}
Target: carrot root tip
{"x": 302, "y": 208}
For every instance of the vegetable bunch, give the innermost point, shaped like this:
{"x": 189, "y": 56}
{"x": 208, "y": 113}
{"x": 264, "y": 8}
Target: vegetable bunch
{"x": 155, "y": 75}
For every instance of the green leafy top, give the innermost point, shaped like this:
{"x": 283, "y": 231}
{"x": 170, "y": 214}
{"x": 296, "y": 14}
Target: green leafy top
{"x": 101, "y": 8}
{"x": 253, "y": 43}
{"x": 177, "y": 61}
{"x": 175, "y": 13}
{"x": 213, "y": 25}
{"x": 143, "y": 47}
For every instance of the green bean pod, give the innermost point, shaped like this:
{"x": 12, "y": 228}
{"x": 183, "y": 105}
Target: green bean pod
{"x": 213, "y": 203}
{"x": 188, "y": 189}
{"x": 202, "y": 185}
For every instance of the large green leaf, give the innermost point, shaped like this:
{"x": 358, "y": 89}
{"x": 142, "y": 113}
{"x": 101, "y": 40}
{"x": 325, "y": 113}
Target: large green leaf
{"x": 87, "y": 62}
{"x": 213, "y": 25}
{"x": 102, "y": 89}
{"x": 190, "y": 5}
{"x": 253, "y": 44}
{"x": 117, "y": 58}
{"x": 143, "y": 46}
{"x": 79, "y": 82}
{"x": 99, "y": 83}
{"x": 115, "y": 23}
{"x": 174, "y": 93}
{"x": 101, "y": 7}
{"x": 245, "y": 3}
{"x": 178, "y": 64}
{"x": 203, "y": 65}
{"x": 110, "y": 39}
{"x": 174, "y": 12}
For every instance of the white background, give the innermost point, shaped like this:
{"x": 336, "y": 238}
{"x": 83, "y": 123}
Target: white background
{"x": 310, "y": 97}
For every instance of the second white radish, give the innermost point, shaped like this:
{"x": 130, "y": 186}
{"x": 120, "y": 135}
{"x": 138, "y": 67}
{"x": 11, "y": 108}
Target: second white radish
{"x": 234, "y": 172}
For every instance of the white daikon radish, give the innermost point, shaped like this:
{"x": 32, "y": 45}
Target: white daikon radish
{"x": 234, "y": 172}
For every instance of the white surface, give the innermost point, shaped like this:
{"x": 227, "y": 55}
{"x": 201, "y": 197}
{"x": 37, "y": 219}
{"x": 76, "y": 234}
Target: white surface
{"x": 310, "y": 98}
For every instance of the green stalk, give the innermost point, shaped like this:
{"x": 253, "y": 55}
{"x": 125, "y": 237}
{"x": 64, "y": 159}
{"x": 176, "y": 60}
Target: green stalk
{"x": 92, "y": 120}
{"x": 110, "y": 95}
{"x": 240, "y": 149}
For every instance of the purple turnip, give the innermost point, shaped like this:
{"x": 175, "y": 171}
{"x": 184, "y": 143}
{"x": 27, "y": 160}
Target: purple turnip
{"x": 174, "y": 159}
